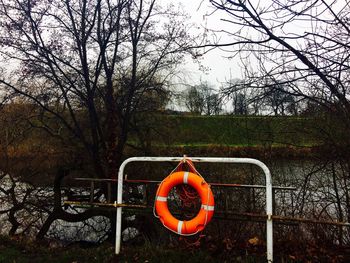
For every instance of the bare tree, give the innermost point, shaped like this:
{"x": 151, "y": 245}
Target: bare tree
{"x": 301, "y": 45}
{"x": 280, "y": 102}
{"x": 296, "y": 48}
{"x": 212, "y": 100}
{"x": 203, "y": 99}
{"x": 91, "y": 61}
{"x": 236, "y": 90}
{"x": 299, "y": 49}
{"x": 194, "y": 100}
{"x": 88, "y": 67}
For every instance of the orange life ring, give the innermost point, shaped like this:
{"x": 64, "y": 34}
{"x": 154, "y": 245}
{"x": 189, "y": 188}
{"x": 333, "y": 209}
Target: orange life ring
{"x": 203, "y": 217}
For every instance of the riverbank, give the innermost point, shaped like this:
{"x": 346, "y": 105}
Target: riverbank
{"x": 22, "y": 250}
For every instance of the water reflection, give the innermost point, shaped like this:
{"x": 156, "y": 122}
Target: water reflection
{"x": 322, "y": 193}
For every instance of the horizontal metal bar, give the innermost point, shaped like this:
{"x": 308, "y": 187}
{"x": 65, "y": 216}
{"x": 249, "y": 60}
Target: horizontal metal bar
{"x": 262, "y": 218}
{"x": 216, "y": 184}
{"x": 311, "y": 221}
{"x": 247, "y": 215}
{"x": 291, "y": 219}
{"x": 95, "y": 179}
{"x": 212, "y": 184}
{"x": 91, "y": 204}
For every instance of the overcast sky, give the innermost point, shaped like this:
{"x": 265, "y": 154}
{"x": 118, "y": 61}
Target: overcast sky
{"x": 219, "y": 67}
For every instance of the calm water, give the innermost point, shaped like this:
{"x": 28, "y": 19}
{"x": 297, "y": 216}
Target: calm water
{"x": 316, "y": 196}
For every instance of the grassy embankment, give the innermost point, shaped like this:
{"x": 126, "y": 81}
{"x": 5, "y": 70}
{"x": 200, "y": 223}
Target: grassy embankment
{"x": 160, "y": 132}
{"x": 17, "y": 250}
{"x": 31, "y": 151}
{"x": 175, "y": 135}
{"x": 235, "y": 135}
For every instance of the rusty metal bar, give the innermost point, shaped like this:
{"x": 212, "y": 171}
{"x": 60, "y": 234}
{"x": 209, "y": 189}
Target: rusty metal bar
{"x": 92, "y": 204}
{"x": 95, "y": 179}
{"x": 140, "y": 181}
{"x": 310, "y": 221}
{"x": 248, "y": 215}
{"x": 218, "y": 184}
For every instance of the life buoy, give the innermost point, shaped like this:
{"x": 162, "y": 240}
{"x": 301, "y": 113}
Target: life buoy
{"x": 203, "y": 217}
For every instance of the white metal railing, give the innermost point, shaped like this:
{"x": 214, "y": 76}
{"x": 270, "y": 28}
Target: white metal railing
{"x": 269, "y": 225}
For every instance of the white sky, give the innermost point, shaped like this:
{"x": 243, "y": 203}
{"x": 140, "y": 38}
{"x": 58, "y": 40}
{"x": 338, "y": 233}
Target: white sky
{"x": 219, "y": 67}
